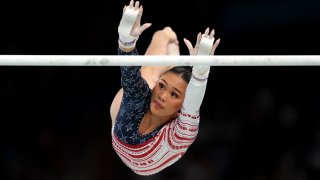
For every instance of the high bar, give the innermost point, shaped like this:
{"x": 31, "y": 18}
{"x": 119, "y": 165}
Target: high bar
{"x": 140, "y": 60}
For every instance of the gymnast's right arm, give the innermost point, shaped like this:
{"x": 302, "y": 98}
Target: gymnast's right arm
{"x": 129, "y": 30}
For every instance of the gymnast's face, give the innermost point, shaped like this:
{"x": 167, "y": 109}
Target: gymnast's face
{"x": 168, "y": 95}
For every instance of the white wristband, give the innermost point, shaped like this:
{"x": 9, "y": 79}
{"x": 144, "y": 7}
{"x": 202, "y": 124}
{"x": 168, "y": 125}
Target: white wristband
{"x": 201, "y": 72}
{"x": 125, "y": 27}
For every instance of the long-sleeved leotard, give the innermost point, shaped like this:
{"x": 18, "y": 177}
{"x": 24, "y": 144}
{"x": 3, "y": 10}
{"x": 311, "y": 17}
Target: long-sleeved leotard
{"x": 151, "y": 153}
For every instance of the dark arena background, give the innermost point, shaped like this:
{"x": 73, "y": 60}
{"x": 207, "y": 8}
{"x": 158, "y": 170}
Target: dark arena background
{"x": 258, "y": 123}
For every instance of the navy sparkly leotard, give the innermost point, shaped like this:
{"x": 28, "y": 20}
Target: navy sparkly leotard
{"x": 135, "y": 103}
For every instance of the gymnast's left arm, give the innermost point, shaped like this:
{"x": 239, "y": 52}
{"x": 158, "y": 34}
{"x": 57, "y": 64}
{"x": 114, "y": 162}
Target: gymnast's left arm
{"x": 205, "y": 45}
{"x": 189, "y": 117}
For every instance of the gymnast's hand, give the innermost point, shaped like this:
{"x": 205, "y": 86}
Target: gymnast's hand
{"x": 130, "y": 28}
{"x": 205, "y": 44}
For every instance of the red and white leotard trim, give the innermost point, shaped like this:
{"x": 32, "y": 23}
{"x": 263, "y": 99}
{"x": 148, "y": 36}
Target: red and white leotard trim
{"x": 171, "y": 142}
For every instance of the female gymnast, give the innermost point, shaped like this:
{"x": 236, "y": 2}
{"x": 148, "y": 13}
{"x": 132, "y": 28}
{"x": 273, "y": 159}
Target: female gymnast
{"x": 155, "y": 115}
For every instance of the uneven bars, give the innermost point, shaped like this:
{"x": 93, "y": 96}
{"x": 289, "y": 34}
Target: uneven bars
{"x": 183, "y": 60}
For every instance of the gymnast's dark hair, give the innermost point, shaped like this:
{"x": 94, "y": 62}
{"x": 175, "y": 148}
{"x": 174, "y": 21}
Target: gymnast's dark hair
{"x": 184, "y": 71}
